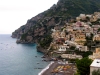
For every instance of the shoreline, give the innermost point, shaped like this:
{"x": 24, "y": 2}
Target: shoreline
{"x": 47, "y": 67}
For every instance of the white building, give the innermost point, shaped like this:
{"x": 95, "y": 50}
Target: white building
{"x": 62, "y": 48}
{"x": 82, "y": 48}
{"x": 71, "y": 43}
{"x": 82, "y": 16}
{"x": 89, "y": 16}
{"x": 95, "y": 65}
{"x": 71, "y": 56}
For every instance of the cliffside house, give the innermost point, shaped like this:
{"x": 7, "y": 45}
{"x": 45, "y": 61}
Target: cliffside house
{"x": 60, "y": 41}
{"x": 70, "y": 43}
{"x": 63, "y": 34}
{"x": 97, "y": 14}
{"x": 80, "y": 39}
{"x": 93, "y": 18}
{"x": 71, "y": 56}
{"x": 82, "y": 48}
{"x": 95, "y": 65}
{"x": 82, "y": 16}
{"x": 96, "y": 54}
{"x": 54, "y": 46}
{"x": 56, "y": 34}
{"x": 95, "y": 28}
{"x": 62, "y": 48}
{"x": 96, "y": 37}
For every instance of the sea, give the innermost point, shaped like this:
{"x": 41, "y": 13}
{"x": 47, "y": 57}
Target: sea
{"x": 19, "y": 59}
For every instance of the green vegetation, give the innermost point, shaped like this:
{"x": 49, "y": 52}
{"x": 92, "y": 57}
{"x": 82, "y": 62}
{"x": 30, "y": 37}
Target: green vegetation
{"x": 64, "y": 10}
{"x": 45, "y": 43}
{"x": 87, "y": 18}
{"x": 83, "y": 53}
{"x": 71, "y": 8}
{"x": 72, "y": 47}
{"x": 96, "y": 72}
{"x": 89, "y": 38}
{"x": 99, "y": 30}
{"x": 23, "y": 37}
{"x": 97, "y": 42}
{"x": 77, "y": 73}
{"x": 89, "y": 41}
{"x": 83, "y": 66}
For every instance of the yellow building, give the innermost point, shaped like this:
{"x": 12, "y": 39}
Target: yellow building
{"x": 93, "y": 19}
{"x": 96, "y": 38}
{"x": 80, "y": 39}
{"x": 56, "y": 34}
{"x": 63, "y": 34}
{"x": 96, "y": 54}
{"x": 97, "y": 50}
{"x": 54, "y": 46}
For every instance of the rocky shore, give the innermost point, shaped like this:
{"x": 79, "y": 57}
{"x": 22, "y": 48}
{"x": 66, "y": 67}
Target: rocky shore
{"x": 40, "y": 49}
{"x": 24, "y": 42}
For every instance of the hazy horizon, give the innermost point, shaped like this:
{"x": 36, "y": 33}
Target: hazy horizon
{"x": 15, "y": 13}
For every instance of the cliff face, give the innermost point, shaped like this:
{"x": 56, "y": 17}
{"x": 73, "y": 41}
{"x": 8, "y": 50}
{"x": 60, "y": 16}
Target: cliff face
{"x": 25, "y": 28}
{"x": 38, "y": 27}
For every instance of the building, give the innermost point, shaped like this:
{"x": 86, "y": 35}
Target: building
{"x": 96, "y": 38}
{"x": 63, "y": 34}
{"x": 80, "y": 39}
{"x": 71, "y": 56}
{"x": 62, "y": 48}
{"x": 56, "y": 34}
{"x": 53, "y": 46}
{"x": 96, "y": 54}
{"x": 82, "y": 48}
{"x": 95, "y": 65}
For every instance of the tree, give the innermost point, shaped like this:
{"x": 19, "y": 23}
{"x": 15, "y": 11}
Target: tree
{"x": 89, "y": 38}
{"x": 83, "y": 66}
{"x": 98, "y": 29}
{"x": 96, "y": 72}
{"x": 72, "y": 47}
{"x": 46, "y": 41}
{"x": 83, "y": 53}
{"x": 86, "y": 54}
{"x": 87, "y": 18}
{"x": 76, "y": 74}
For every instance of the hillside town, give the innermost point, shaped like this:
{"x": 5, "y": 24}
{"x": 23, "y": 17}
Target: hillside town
{"x": 76, "y": 36}
{"x": 77, "y": 39}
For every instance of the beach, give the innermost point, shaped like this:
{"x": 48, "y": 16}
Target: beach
{"x": 58, "y": 68}
{"x": 47, "y": 67}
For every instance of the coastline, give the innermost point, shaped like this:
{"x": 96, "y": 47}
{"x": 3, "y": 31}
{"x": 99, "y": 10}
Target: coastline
{"x": 30, "y": 62}
{"x": 47, "y": 67}
{"x": 40, "y": 49}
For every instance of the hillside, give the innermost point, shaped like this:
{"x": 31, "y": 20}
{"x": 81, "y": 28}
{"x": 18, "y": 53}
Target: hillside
{"x": 39, "y": 27}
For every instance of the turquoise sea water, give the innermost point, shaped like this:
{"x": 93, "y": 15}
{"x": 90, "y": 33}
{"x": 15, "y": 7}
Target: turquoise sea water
{"x": 19, "y": 59}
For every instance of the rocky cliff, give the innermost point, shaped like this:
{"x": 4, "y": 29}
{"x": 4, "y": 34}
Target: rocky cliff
{"x": 38, "y": 27}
